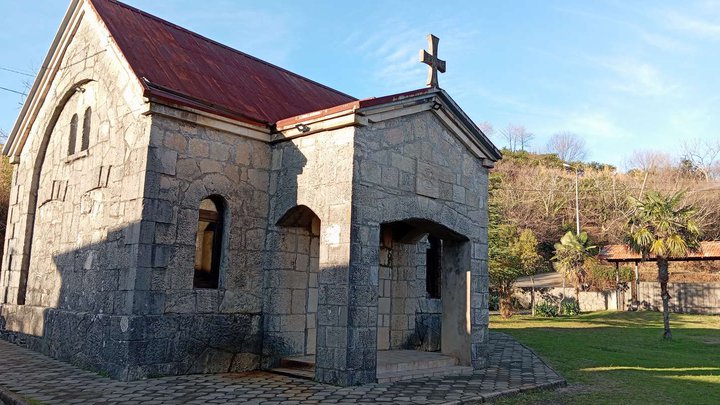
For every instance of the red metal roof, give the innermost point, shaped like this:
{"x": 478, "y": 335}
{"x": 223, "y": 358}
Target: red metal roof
{"x": 183, "y": 67}
{"x": 354, "y": 105}
{"x": 622, "y": 253}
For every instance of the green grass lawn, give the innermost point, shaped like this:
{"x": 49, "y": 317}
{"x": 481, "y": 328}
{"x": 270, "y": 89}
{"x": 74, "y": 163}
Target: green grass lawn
{"x": 621, "y": 358}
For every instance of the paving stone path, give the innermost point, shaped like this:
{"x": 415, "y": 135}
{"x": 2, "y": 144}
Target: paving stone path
{"x": 33, "y": 376}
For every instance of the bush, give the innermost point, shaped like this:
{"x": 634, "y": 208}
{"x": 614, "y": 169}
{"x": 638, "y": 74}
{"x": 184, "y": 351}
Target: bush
{"x": 506, "y": 308}
{"x": 569, "y": 307}
{"x": 601, "y": 277}
{"x": 545, "y": 310}
{"x": 494, "y": 302}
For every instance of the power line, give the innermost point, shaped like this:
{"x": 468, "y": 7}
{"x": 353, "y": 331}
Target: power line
{"x": 619, "y": 190}
{"x": 13, "y": 91}
{"x": 17, "y": 71}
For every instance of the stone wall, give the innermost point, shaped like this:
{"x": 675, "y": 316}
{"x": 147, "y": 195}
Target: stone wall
{"x": 693, "y": 298}
{"x": 589, "y": 300}
{"x": 408, "y": 318}
{"x": 70, "y": 249}
{"x": 312, "y": 173}
{"x": 204, "y": 330}
{"x": 412, "y": 168}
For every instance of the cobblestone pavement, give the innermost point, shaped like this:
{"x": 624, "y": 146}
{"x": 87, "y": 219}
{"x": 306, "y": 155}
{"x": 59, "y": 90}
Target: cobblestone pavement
{"x": 24, "y": 373}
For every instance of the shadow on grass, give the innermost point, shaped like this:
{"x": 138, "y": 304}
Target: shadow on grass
{"x": 642, "y": 319}
{"x": 623, "y": 353}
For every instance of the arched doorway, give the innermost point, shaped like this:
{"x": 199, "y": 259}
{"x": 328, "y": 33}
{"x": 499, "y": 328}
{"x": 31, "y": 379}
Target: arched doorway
{"x": 292, "y": 286}
{"x": 423, "y": 300}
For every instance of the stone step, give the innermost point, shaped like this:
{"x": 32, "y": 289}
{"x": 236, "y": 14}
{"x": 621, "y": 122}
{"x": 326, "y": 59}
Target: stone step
{"x": 305, "y": 374}
{"x": 298, "y": 362}
{"x": 409, "y": 360}
{"x": 423, "y": 373}
{"x": 394, "y": 365}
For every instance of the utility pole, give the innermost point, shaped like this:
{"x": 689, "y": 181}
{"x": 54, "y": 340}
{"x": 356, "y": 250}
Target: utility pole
{"x": 577, "y": 197}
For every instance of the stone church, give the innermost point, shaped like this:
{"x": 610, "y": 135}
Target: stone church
{"x": 179, "y": 207}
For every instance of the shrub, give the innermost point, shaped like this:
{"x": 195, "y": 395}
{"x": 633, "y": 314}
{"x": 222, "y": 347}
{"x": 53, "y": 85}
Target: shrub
{"x": 6, "y": 170}
{"x": 545, "y": 310}
{"x": 506, "y": 307}
{"x": 569, "y": 307}
{"x": 494, "y": 302}
{"x": 601, "y": 277}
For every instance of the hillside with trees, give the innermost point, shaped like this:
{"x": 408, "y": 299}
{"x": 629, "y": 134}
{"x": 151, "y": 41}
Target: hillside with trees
{"x": 535, "y": 192}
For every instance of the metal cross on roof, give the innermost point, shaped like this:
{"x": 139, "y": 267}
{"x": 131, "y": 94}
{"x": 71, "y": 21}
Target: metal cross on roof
{"x": 431, "y": 59}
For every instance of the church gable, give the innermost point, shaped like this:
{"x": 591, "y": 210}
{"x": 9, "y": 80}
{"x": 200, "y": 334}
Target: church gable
{"x": 81, "y": 53}
{"x": 79, "y": 148}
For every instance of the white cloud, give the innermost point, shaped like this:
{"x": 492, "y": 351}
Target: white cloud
{"x": 392, "y": 53}
{"x": 595, "y": 124}
{"x": 638, "y": 78}
{"x": 692, "y": 25}
{"x": 663, "y": 42}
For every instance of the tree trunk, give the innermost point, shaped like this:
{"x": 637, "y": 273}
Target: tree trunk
{"x": 506, "y": 310}
{"x": 563, "y": 296}
{"x": 577, "y": 296}
{"x": 663, "y": 276}
{"x": 532, "y": 296}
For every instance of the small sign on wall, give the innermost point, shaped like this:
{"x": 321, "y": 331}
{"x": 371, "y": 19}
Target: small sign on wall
{"x": 427, "y": 182}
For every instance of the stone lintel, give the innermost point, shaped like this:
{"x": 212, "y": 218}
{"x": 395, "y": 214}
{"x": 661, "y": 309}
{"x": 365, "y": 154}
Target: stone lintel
{"x": 312, "y": 126}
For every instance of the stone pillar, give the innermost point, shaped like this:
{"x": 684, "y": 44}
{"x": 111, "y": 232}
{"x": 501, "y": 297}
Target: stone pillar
{"x": 456, "y": 323}
{"x": 479, "y": 297}
{"x": 347, "y": 310}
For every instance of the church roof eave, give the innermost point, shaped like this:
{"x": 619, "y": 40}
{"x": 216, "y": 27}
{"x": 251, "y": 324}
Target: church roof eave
{"x": 493, "y": 152}
{"x": 402, "y": 100}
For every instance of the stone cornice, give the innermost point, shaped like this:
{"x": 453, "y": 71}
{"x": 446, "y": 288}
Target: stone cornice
{"x": 220, "y": 123}
{"x": 436, "y": 101}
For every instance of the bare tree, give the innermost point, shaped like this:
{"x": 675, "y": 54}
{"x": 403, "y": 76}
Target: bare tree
{"x": 568, "y": 146}
{"x": 648, "y": 160}
{"x": 517, "y": 137}
{"x": 486, "y": 128}
{"x": 704, "y": 155}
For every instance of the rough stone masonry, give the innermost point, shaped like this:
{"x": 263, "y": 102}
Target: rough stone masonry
{"x": 311, "y": 213}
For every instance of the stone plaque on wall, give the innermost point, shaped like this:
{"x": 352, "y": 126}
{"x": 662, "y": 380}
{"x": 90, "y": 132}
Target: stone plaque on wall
{"x": 427, "y": 183}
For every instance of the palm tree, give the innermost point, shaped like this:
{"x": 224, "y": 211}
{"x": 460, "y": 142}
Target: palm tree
{"x": 661, "y": 226}
{"x": 571, "y": 255}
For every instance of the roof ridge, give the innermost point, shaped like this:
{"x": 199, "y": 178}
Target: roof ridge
{"x": 204, "y": 38}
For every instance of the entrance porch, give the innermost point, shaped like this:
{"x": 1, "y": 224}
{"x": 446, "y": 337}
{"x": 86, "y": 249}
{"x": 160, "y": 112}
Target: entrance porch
{"x": 392, "y": 365}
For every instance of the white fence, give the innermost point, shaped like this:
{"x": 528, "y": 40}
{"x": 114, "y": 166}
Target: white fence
{"x": 589, "y": 300}
{"x": 698, "y": 298}
{"x": 694, "y": 298}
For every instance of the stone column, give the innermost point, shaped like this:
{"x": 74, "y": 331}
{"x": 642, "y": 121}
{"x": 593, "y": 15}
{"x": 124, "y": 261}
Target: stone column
{"x": 347, "y": 309}
{"x": 456, "y": 324}
{"x": 479, "y": 297}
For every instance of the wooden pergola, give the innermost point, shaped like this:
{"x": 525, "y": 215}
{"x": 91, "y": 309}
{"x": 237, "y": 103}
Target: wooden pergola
{"x": 623, "y": 254}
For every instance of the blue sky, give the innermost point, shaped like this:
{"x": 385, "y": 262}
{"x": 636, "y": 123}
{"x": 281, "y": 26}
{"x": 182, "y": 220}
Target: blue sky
{"x": 624, "y": 75}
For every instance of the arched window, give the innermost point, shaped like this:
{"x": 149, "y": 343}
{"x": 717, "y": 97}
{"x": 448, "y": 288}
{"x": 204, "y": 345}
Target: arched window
{"x": 208, "y": 243}
{"x": 73, "y": 134}
{"x": 87, "y": 122}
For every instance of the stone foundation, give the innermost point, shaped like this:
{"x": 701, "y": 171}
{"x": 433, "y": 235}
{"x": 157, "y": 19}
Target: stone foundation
{"x": 136, "y": 347}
